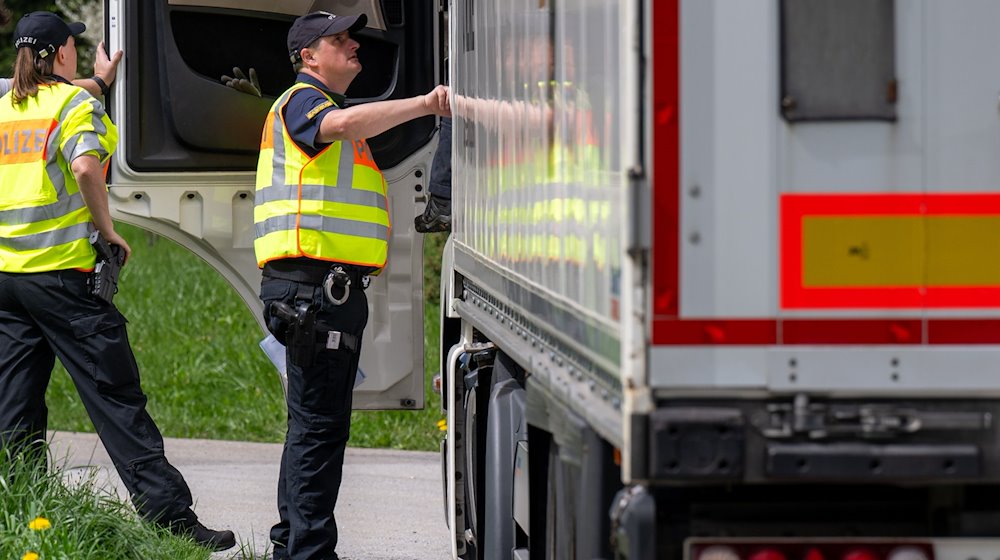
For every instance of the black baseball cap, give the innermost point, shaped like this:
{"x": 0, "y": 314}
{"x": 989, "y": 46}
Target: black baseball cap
{"x": 306, "y": 29}
{"x": 45, "y": 32}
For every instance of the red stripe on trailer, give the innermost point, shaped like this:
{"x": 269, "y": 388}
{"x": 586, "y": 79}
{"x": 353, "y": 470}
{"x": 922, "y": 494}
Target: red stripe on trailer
{"x": 715, "y": 331}
{"x": 742, "y": 332}
{"x": 824, "y": 331}
{"x": 665, "y": 35}
{"x": 851, "y": 331}
{"x": 964, "y": 331}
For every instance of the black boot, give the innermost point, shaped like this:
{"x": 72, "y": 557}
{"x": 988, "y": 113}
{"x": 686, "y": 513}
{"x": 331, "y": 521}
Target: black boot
{"x": 213, "y": 540}
{"x": 436, "y": 216}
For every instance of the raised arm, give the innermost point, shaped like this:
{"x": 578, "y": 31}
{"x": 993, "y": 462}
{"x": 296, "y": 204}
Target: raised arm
{"x": 105, "y": 70}
{"x": 371, "y": 119}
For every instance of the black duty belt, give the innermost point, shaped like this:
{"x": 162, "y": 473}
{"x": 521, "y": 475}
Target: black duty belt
{"x": 295, "y": 270}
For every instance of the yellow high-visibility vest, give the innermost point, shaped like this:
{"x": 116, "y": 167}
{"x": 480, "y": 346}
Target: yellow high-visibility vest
{"x": 44, "y": 223}
{"x": 332, "y": 206}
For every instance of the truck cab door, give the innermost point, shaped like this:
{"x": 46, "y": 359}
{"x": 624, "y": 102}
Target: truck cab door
{"x": 188, "y": 147}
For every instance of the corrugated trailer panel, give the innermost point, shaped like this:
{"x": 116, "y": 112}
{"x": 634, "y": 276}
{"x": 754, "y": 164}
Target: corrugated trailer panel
{"x": 538, "y": 172}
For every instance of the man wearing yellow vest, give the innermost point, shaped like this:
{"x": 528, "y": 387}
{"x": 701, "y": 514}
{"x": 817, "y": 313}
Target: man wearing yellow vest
{"x": 54, "y": 138}
{"x": 322, "y": 225}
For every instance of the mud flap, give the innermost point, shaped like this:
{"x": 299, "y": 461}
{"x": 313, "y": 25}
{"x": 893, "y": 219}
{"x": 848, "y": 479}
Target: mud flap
{"x": 505, "y": 427}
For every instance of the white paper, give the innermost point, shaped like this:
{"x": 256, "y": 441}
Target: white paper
{"x": 275, "y": 352}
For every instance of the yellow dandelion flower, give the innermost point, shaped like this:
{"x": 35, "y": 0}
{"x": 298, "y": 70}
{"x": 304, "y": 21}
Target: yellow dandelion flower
{"x": 30, "y": 556}
{"x": 443, "y": 424}
{"x": 39, "y": 524}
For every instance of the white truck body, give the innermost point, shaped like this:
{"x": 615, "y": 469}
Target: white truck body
{"x": 730, "y": 253}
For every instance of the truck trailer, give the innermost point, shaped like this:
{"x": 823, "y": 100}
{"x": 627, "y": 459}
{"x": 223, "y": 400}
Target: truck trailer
{"x": 722, "y": 280}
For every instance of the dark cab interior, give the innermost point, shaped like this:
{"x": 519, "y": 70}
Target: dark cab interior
{"x": 182, "y": 118}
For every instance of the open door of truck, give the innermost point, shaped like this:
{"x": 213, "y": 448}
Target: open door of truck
{"x": 185, "y": 163}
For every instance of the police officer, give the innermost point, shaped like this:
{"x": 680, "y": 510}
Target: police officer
{"x": 55, "y": 138}
{"x": 322, "y": 225}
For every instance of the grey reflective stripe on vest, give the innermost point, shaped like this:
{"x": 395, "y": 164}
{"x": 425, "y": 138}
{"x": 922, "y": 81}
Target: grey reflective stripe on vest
{"x": 323, "y": 224}
{"x": 91, "y": 139}
{"x": 322, "y": 193}
{"x": 57, "y": 209}
{"x": 52, "y": 168}
{"x": 76, "y": 147}
{"x": 80, "y": 98}
{"x": 278, "y": 145}
{"x": 345, "y": 167}
{"x": 47, "y": 239}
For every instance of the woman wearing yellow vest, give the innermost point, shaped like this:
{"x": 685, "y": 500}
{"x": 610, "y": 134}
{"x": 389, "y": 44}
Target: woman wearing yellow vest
{"x": 54, "y": 138}
{"x": 322, "y": 224}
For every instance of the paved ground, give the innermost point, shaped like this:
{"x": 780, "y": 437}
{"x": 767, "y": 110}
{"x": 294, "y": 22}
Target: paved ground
{"x": 390, "y": 505}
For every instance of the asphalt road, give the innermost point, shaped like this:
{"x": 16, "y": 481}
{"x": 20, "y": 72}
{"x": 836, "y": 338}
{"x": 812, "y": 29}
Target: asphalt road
{"x": 390, "y": 505}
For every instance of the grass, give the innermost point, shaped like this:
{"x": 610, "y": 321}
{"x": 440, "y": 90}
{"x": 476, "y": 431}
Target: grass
{"x": 196, "y": 346}
{"x": 43, "y": 517}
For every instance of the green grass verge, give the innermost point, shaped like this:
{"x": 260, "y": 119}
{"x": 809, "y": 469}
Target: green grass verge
{"x": 196, "y": 346}
{"x": 42, "y": 518}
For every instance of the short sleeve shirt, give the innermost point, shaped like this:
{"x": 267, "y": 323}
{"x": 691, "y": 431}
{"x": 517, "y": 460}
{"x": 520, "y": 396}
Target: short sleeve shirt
{"x": 6, "y": 84}
{"x": 305, "y": 111}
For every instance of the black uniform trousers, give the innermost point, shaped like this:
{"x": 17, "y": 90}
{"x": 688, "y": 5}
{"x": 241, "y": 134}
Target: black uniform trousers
{"x": 49, "y": 314}
{"x": 319, "y": 402}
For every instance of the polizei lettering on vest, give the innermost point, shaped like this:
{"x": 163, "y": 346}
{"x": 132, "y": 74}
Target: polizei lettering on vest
{"x": 23, "y": 141}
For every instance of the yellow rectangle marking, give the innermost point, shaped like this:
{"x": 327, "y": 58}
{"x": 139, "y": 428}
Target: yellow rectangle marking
{"x": 880, "y": 251}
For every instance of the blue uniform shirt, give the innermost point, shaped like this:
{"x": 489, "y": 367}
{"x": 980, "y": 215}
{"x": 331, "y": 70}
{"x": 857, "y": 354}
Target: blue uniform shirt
{"x": 305, "y": 111}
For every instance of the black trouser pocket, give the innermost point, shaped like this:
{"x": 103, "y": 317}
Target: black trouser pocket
{"x": 104, "y": 345}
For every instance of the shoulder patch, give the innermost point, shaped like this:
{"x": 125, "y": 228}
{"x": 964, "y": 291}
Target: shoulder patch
{"x": 319, "y": 108}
